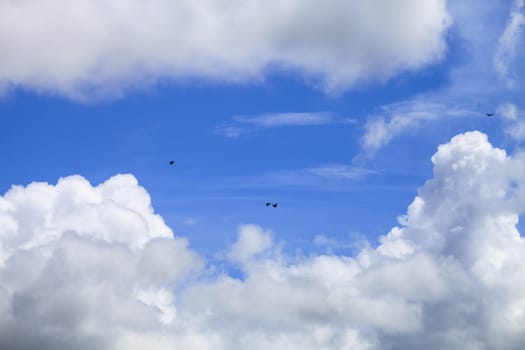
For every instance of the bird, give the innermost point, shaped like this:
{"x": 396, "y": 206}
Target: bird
{"x": 172, "y": 162}
{"x": 490, "y": 114}
{"x": 268, "y": 204}
{"x": 274, "y": 205}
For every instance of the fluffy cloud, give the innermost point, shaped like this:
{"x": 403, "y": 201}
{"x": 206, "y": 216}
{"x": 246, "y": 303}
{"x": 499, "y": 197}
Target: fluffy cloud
{"x": 100, "y": 47}
{"x": 94, "y": 267}
{"x": 81, "y": 263}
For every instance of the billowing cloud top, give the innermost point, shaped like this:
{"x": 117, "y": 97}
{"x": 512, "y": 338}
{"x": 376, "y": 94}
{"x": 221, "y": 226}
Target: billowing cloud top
{"x": 88, "y": 267}
{"x": 74, "y": 47}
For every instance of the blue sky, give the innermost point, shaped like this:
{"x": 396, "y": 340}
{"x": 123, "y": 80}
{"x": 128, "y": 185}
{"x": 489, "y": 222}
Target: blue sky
{"x": 333, "y": 113}
{"x": 219, "y": 182}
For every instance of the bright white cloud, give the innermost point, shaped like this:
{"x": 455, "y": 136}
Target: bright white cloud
{"x": 81, "y": 263}
{"x": 450, "y": 276}
{"x": 83, "y": 48}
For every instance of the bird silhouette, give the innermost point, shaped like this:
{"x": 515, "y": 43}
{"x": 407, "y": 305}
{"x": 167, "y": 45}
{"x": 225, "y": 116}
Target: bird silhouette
{"x": 268, "y": 204}
{"x": 274, "y": 205}
{"x": 172, "y": 162}
{"x": 490, "y": 114}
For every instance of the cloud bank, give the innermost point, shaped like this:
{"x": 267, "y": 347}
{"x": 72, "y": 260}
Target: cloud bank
{"x": 88, "y": 267}
{"x": 83, "y": 48}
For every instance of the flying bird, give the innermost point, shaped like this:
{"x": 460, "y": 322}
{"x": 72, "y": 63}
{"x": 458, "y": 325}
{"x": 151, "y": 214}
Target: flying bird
{"x": 490, "y": 114}
{"x": 268, "y": 204}
{"x": 172, "y": 162}
{"x": 274, "y": 205}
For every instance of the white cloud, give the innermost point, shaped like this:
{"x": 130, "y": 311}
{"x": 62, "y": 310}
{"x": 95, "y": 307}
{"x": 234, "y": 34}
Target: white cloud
{"x": 401, "y": 117}
{"x": 85, "y": 48}
{"x": 340, "y": 171}
{"x": 191, "y": 221}
{"x": 252, "y": 241}
{"x": 514, "y": 121}
{"x": 508, "y": 111}
{"x": 79, "y": 263}
{"x": 285, "y": 119}
{"x": 330, "y": 244}
{"x": 242, "y": 125}
{"x": 451, "y": 275}
{"x": 509, "y": 40}
{"x": 326, "y": 177}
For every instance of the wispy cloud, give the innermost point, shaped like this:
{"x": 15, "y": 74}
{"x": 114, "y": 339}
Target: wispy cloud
{"x": 285, "y": 119}
{"x": 399, "y": 118}
{"x": 242, "y": 125}
{"x": 191, "y": 221}
{"x": 514, "y": 121}
{"x": 508, "y": 42}
{"x": 341, "y": 171}
{"x": 354, "y": 242}
{"x": 328, "y": 177}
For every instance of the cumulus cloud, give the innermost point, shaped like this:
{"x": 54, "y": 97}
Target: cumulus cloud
{"x": 85, "y": 48}
{"x": 78, "y": 264}
{"x": 449, "y": 276}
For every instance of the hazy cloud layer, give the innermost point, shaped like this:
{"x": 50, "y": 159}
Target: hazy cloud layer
{"x": 88, "y": 267}
{"x": 82, "y": 48}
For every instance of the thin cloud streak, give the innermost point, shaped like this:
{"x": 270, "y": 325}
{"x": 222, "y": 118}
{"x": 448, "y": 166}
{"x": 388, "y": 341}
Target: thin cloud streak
{"x": 245, "y": 125}
{"x": 331, "y": 177}
{"x": 286, "y": 119}
{"x": 341, "y": 171}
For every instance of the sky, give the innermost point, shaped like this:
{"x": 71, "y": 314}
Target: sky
{"x": 367, "y": 122}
